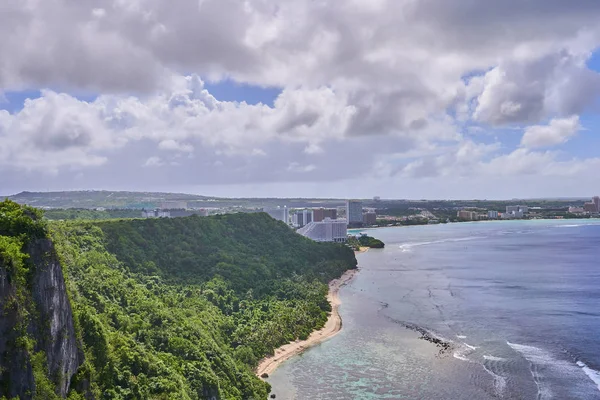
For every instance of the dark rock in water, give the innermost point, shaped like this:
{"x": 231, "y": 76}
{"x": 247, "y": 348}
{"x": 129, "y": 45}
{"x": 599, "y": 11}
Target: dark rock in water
{"x": 444, "y": 346}
{"x": 273, "y": 396}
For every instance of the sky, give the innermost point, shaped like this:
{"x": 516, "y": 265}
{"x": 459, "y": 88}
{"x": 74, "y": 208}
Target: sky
{"x": 435, "y": 99}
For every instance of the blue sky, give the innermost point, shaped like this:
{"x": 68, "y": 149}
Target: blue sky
{"x": 400, "y": 106}
{"x": 229, "y": 90}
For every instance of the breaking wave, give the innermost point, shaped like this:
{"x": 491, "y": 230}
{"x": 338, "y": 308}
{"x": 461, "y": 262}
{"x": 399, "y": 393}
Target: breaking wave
{"x": 406, "y": 247}
{"x": 591, "y": 373}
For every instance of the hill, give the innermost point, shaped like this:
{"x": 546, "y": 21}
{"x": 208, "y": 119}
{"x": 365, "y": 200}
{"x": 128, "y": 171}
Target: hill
{"x": 89, "y": 199}
{"x": 99, "y": 198}
{"x": 156, "y": 309}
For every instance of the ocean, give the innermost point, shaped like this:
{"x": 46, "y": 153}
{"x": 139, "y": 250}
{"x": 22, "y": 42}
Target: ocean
{"x": 486, "y": 310}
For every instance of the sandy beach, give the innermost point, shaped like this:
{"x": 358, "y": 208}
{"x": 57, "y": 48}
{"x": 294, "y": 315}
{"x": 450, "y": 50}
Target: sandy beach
{"x": 331, "y": 328}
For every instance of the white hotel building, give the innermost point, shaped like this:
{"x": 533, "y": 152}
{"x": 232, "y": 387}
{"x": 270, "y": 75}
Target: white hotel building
{"x": 328, "y": 230}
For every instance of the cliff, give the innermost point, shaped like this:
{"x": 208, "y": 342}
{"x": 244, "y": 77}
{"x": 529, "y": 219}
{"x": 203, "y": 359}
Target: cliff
{"x": 38, "y": 345}
{"x": 180, "y": 308}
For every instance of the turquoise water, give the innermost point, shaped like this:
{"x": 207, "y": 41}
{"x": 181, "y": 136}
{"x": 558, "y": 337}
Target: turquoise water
{"x": 516, "y": 303}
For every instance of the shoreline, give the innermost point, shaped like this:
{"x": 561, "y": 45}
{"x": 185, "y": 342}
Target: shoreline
{"x": 369, "y": 228}
{"x": 331, "y": 328}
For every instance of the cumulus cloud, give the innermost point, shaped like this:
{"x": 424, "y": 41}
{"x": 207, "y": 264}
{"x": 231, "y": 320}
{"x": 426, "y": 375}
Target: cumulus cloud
{"x": 556, "y": 132}
{"x": 459, "y": 160}
{"x": 172, "y": 145}
{"x": 154, "y": 162}
{"x": 296, "y": 167}
{"x": 360, "y": 80}
{"x": 529, "y": 90}
{"x": 53, "y": 131}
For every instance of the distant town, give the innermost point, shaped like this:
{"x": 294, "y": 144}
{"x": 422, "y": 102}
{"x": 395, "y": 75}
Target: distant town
{"x": 589, "y": 209}
{"x": 318, "y": 219}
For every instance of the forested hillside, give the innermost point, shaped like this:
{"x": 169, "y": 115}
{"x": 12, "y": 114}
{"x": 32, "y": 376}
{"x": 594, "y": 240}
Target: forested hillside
{"x": 250, "y": 251}
{"x": 184, "y": 308}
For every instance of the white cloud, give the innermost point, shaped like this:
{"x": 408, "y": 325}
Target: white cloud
{"x": 531, "y": 89}
{"x": 364, "y": 86}
{"x": 172, "y": 145}
{"x": 54, "y": 131}
{"x": 296, "y": 167}
{"x": 558, "y": 131}
{"x": 154, "y": 162}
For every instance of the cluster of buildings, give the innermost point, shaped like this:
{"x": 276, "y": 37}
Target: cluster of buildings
{"x": 512, "y": 212}
{"x": 521, "y": 211}
{"x": 358, "y": 216}
{"x": 157, "y": 213}
{"x": 166, "y": 211}
{"x": 326, "y": 224}
{"x": 515, "y": 212}
{"x": 590, "y": 207}
{"x": 593, "y": 206}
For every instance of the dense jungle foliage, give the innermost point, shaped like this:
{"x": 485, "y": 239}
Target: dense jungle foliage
{"x": 184, "y": 308}
{"x": 369, "y": 241}
{"x": 365, "y": 241}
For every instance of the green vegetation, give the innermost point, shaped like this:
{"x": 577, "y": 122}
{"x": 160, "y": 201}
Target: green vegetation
{"x": 100, "y": 198}
{"x": 19, "y": 226}
{"x": 22, "y": 222}
{"x": 371, "y": 242}
{"x": 365, "y": 241}
{"x": 87, "y": 214}
{"x": 183, "y": 308}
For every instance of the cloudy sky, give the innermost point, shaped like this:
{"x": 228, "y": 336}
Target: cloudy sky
{"x": 396, "y": 98}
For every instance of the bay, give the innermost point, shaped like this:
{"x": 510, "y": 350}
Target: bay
{"x": 506, "y": 309}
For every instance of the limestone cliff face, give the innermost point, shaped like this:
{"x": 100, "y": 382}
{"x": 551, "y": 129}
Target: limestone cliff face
{"x": 50, "y": 326}
{"x": 16, "y": 375}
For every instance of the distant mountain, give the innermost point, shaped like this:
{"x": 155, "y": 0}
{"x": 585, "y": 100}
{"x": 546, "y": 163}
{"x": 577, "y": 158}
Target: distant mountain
{"x": 100, "y": 198}
{"x": 89, "y": 199}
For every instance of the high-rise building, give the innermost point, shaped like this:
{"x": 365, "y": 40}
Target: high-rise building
{"x": 467, "y": 215}
{"x": 328, "y": 230}
{"x": 319, "y": 214}
{"x": 354, "y": 212}
{"x": 308, "y": 216}
{"x": 298, "y": 220}
{"x": 302, "y": 217}
{"x": 279, "y": 213}
{"x": 590, "y": 207}
{"x": 513, "y": 215}
{"x": 493, "y": 214}
{"x": 523, "y": 209}
{"x": 370, "y": 218}
{"x": 596, "y": 201}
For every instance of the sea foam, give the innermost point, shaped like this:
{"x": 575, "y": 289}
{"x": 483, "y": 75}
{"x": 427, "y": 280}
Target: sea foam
{"x": 493, "y": 358}
{"x": 499, "y": 382}
{"x": 464, "y": 351}
{"x": 542, "y": 358}
{"x": 406, "y": 247}
{"x": 591, "y": 373}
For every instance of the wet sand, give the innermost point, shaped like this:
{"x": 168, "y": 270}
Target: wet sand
{"x": 331, "y": 328}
